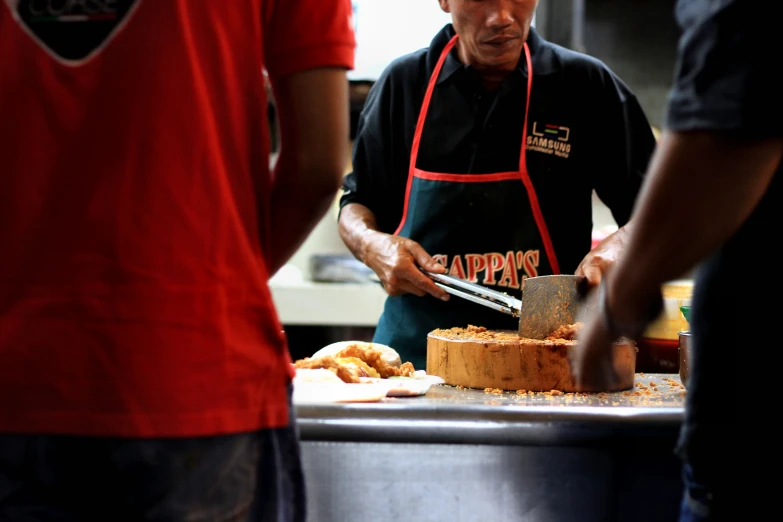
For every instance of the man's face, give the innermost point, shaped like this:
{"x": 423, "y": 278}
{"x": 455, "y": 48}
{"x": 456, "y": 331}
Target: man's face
{"x": 491, "y": 32}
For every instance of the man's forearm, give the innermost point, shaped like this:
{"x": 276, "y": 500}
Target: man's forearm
{"x": 356, "y": 222}
{"x": 699, "y": 191}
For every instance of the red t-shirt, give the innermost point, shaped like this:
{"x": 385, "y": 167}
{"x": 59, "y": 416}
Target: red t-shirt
{"x": 134, "y": 210}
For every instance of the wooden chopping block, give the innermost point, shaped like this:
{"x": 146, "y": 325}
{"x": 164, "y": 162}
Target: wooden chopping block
{"x": 501, "y": 359}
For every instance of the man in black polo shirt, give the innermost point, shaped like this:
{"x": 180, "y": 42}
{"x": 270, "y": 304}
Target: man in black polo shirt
{"x": 713, "y": 198}
{"x": 478, "y": 157}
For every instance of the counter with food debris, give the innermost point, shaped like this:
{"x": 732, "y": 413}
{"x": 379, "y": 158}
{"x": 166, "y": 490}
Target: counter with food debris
{"x": 465, "y": 454}
{"x": 491, "y": 416}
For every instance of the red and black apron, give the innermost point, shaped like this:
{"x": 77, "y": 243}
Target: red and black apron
{"x": 487, "y": 228}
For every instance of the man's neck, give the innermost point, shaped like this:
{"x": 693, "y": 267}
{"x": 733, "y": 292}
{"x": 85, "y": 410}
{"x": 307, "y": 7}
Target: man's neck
{"x": 491, "y": 79}
{"x": 492, "y": 82}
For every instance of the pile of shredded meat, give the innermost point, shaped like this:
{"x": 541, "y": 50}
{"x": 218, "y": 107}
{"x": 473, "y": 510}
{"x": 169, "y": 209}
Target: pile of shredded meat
{"x": 567, "y": 332}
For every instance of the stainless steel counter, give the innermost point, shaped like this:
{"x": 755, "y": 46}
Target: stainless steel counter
{"x": 465, "y": 455}
{"x": 465, "y": 416}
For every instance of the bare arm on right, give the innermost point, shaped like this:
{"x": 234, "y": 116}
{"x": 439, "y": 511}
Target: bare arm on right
{"x": 396, "y": 260}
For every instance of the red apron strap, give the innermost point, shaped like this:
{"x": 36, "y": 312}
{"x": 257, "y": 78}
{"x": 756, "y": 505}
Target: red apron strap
{"x": 531, "y": 191}
{"x": 425, "y": 107}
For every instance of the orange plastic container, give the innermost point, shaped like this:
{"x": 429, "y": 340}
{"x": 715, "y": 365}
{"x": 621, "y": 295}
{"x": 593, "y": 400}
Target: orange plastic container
{"x": 659, "y": 346}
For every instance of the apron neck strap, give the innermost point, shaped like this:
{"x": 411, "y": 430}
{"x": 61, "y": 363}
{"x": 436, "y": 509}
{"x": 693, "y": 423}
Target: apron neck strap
{"x": 426, "y": 103}
{"x": 522, "y": 155}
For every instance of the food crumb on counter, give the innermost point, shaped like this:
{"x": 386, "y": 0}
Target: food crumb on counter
{"x": 672, "y": 382}
{"x": 642, "y": 394}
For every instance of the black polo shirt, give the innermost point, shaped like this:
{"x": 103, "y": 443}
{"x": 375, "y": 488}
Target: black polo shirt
{"x": 727, "y": 80}
{"x": 605, "y": 139}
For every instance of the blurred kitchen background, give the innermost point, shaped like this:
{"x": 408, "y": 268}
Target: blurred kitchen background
{"x": 324, "y": 295}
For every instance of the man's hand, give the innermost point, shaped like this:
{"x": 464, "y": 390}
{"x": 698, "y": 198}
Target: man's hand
{"x": 592, "y": 358}
{"x": 398, "y": 262}
{"x": 607, "y": 317}
{"x": 599, "y": 260}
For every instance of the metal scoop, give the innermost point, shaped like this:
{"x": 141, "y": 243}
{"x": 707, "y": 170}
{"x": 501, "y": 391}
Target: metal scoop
{"x": 548, "y": 302}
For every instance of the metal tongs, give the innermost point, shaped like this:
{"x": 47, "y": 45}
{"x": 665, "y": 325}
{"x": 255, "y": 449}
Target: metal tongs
{"x": 547, "y": 303}
{"x": 478, "y": 294}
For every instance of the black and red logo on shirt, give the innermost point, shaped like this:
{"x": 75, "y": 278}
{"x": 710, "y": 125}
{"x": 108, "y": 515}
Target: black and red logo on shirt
{"x": 72, "y": 30}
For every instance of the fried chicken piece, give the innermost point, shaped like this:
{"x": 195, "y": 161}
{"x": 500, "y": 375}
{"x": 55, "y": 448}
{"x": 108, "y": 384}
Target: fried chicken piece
{"x": 355, "y": 361}
{"x": 375, "y": 359}
{"x": 567, "y": 332}
{"x": 365, "y": 370}
{"x": 347, "y": 373}
{"x": 407, "y": 369}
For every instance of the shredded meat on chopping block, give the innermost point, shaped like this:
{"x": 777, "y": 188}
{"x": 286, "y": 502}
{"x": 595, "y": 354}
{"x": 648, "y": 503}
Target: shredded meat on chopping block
{"x": 567, "y": 332}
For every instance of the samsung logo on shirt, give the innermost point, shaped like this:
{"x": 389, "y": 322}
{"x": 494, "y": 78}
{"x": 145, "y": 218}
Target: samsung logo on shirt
{"x": 550, "y": 139}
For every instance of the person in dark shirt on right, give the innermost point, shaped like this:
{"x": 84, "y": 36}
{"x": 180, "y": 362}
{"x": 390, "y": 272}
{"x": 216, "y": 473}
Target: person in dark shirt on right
{"x": 713, "y": 200}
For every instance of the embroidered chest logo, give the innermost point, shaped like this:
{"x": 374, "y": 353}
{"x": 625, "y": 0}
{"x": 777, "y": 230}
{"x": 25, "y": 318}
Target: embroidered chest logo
{"x": 72, "y": 31}
{"x": 550, "y": 139}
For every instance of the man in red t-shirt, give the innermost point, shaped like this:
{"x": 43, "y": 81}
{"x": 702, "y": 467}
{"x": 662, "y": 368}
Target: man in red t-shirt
{"x": 143, "y": 371}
